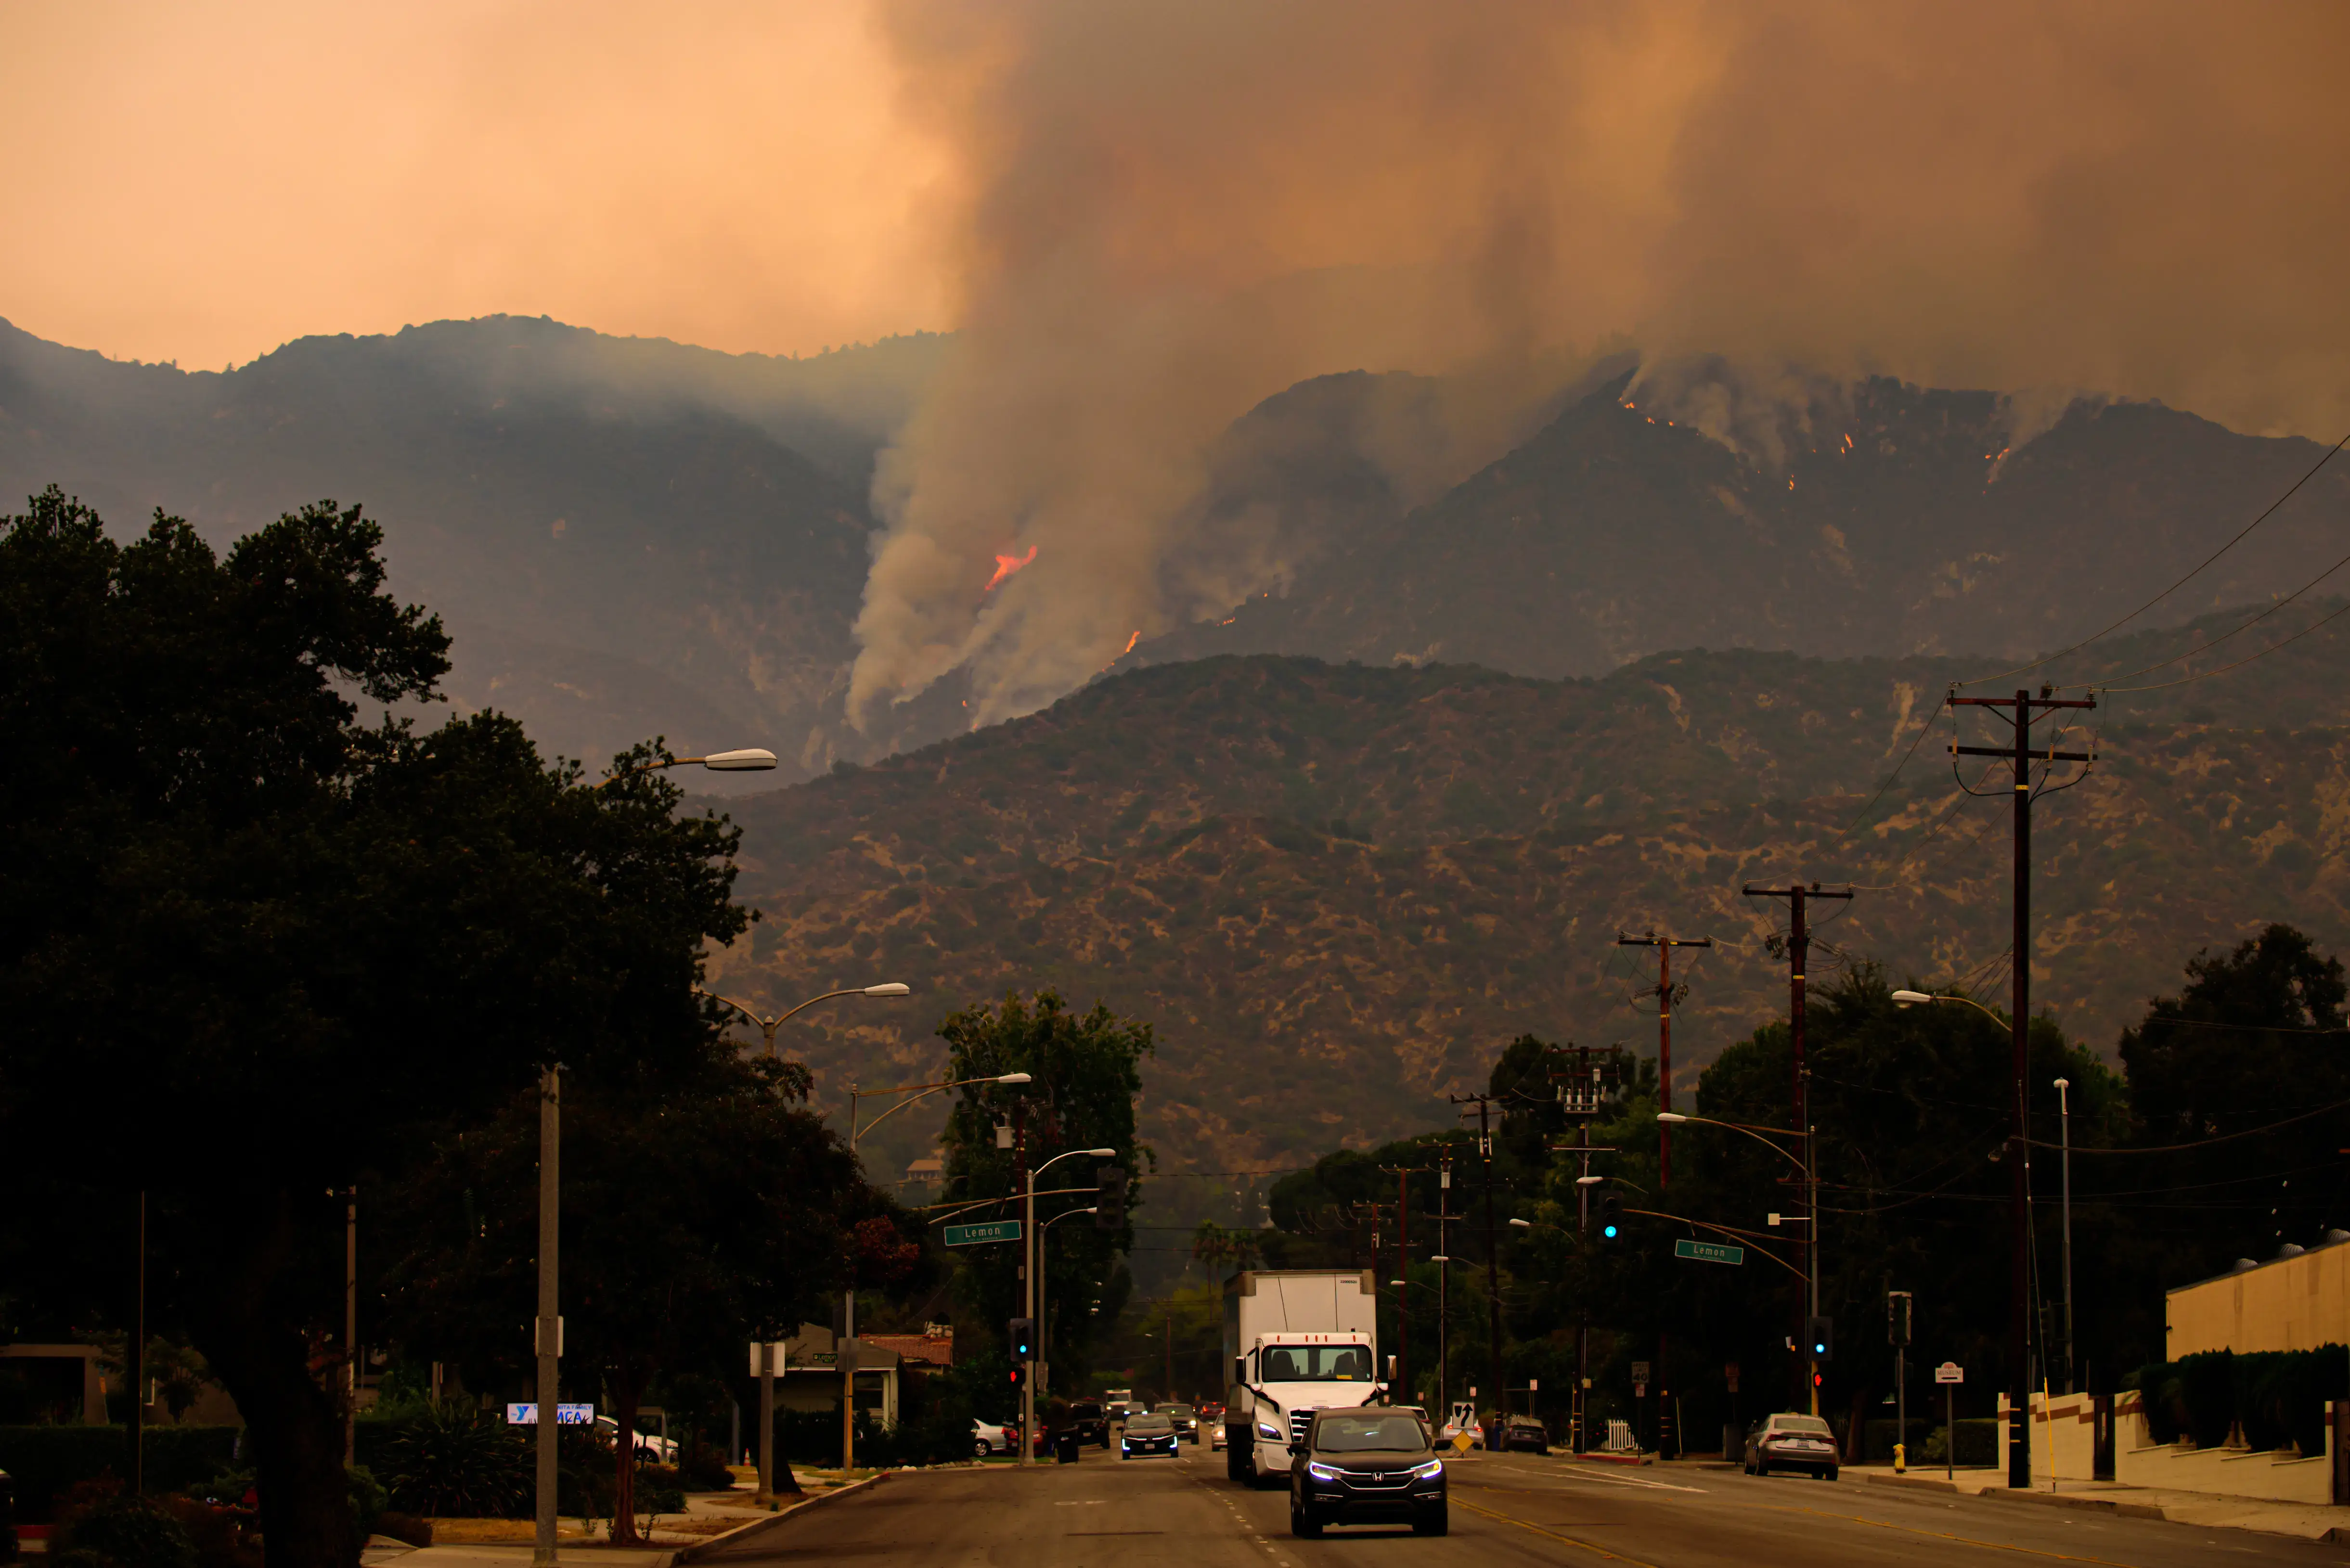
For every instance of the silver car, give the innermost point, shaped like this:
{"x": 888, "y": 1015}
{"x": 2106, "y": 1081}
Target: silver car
{"x": 1791, "y": 1442}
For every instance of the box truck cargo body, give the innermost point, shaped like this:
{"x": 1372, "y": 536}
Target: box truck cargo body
{"x": 1296, "y": 1341}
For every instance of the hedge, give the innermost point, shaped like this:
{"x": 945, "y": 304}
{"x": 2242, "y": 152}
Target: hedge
{"x": 45, "y": 1461}
{"x": 2275, "y": 1397}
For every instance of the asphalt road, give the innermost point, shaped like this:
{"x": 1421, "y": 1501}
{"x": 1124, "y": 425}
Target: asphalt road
{"x": 1507, "y": 1509}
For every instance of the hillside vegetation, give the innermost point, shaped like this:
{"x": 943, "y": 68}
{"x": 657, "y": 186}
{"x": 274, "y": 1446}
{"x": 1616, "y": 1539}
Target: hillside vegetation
{"x": 1337, "y": 889}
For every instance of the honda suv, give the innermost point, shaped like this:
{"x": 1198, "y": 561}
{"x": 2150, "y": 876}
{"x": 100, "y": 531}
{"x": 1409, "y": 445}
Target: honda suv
{"x": 1365, "y": 1465}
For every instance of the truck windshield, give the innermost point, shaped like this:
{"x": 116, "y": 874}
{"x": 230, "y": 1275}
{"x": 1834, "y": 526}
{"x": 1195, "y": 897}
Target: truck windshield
{"x": 1315, "y": 1364}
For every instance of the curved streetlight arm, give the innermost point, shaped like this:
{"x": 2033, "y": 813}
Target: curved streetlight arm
{"x": 1912, "y": 998}
{"x": 749, "y": 760}
{"x": 1073, "y": 1154}
{"x": 1057, "y": 1218}
{"x": 1684, "y": 1219}
{"x": 928, "y": 1090}
{"x": 1749, "y": 1132}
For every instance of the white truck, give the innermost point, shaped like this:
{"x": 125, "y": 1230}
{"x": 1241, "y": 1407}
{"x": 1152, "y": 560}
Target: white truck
{"x": 1296, "y": 1341}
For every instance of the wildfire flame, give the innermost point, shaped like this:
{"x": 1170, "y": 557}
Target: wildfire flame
{"x": 1007, "y": 565}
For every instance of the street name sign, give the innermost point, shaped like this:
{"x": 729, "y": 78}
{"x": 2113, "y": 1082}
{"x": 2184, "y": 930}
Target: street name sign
{"x": 1709, "y": 1252}
{"x": 1949, "y": 1371}
{"x": 987, "y": 1230}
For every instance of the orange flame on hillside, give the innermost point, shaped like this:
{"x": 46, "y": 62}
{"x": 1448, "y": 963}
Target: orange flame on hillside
{"x": 1007, "y": 565}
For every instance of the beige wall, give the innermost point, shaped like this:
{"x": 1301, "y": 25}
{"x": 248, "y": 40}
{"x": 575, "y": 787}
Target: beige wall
{"x": 2289, "y": 1303}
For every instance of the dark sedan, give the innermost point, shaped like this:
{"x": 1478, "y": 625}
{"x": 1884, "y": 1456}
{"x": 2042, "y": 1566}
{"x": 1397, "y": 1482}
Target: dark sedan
{"x": 1365, "y": 1465}
{"x": 1146, "y": 1435}
{"x": 1183, "y": 1418}
{"x": 1524, "y": 1433}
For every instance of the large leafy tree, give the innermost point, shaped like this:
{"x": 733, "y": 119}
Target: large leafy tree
{"x": 1088, "y": 1072}
{"x": 700, "y": 1208}
{"x": 2239, "y": 1090}
{"x": 255, "y": 950}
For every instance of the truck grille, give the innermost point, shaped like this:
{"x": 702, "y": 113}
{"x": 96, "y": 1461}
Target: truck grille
{"x": 1298, "y": 1421}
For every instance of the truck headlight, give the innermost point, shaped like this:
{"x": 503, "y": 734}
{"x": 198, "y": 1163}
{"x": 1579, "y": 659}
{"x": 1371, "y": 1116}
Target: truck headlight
{"x": 1266, "y": 1429}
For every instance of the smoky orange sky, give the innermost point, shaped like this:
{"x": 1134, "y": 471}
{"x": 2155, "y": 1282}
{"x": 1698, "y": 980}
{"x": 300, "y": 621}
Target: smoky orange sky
{"x": 1143, "y": 217}
{"x": 200, "y": 182}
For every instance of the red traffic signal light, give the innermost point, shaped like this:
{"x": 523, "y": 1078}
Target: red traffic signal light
{"x": 1019, "y": 1374}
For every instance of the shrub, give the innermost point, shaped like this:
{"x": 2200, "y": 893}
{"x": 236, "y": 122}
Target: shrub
{"x": 456, "y": 1461}
{"x": 704, "y": 1469}
{"x": 222, "y": 1536}
{"x": 128, "y": 1531}
{"x": 2276, "y": 1397}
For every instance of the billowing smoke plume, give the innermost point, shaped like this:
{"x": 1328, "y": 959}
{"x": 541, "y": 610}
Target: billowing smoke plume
{"x": 1169, "y": 213}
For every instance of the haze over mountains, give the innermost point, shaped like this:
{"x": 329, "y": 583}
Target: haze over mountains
{"x": 1348, "y": 836}
{"x": 632, "y": 536}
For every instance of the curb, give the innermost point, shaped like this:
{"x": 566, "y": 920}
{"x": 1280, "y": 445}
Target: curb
{"x": 2096, "y": 1504}
{"x": 1590, "y": 1458}
{"x": 774, "y": 1520}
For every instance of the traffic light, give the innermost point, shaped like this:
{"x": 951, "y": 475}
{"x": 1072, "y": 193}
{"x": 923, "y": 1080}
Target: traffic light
{"x": 1611, "y": 1215}
{"x": 1898, "y": 1317}
{"x": 1820, "y": 1333}
{"x": 1024, "y": 1340}
{"x": 1019, "y": 1377}
{"x": 1110, "y": 1210}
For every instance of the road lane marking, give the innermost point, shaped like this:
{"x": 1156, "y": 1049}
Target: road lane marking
{"x": 1600, "y": 1480}
{"x": 1555, "y": 1535}
{"x": 1947, "y": 1535}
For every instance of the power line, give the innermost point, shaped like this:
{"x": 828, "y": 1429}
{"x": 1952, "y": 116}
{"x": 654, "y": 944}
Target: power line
{"x": 2263, "y": 653}
{"x": 2264, "y": 516}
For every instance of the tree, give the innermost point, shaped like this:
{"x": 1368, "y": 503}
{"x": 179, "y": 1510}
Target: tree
{"x": 1086, "y": 1072}
{"x": 2238, "y": 1085}
{"x": 700, "y": 1211}
{"x": 238, "y": 914}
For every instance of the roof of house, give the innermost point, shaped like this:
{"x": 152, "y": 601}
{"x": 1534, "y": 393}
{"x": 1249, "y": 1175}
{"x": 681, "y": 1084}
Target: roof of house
{"x": 930, "y": 1349}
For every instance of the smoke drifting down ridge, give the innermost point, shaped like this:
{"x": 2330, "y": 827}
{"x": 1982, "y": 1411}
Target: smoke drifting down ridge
{"x": 1168, "y": 214}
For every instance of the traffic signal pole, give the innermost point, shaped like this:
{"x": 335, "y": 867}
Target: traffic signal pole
{"x": 1028, "y": 1182}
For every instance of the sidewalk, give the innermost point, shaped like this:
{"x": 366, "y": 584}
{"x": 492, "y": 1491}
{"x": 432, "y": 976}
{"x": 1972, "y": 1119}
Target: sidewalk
{"x": 709, "y": 1517}
{"x": 2306, "y": 1521}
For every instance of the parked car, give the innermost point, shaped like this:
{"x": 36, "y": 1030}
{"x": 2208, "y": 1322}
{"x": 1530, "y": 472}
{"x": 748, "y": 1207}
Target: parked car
{"x": 1791, "y": 1442}
{"x": 1369, "y": 1464}
{"x": 987, "y": 1438}
{"x": 1092, "y": 1425}
{"x": 1184, "y": 1419}
{"x": 649, "y": 1446}
{"x": 1463, "y": 1420}
{"x": 1524, "y": 1433}
{"x": 1146, "y": 1434}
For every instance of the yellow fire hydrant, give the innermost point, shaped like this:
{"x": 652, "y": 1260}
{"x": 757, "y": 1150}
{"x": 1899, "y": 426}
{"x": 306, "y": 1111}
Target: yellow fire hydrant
{"x": 1900, "y": 1458}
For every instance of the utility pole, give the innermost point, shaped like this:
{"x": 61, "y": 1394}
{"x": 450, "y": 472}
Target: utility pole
{"x": 1403, "y": 1175}
{"x": 2019, "y": 717}
{"x": 1027, "y": 1273}
{"x": 1485, "y": 1104}
{"x": 1667, "y": 1439}
{"x": 1799, "y": 946}
{"x": 1443, "y": 1286}
{"x": 1664, "y": 945}
{"x": 1581, "y": 1089}
{"x": 135, "y": 1363}
{"x": 549, "y": 1334}
{"x": 350, "y": 1327}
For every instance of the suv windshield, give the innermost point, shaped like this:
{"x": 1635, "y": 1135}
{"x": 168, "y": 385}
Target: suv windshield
{"x": 1810, "y": 1426}
{"x": 1315, "y": 1364}
{"x": 1388, "y": 1432}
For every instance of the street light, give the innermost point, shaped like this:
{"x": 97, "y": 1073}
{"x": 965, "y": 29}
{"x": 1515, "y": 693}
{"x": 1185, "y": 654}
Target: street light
{"x": 2065, "y": 1120}
{"x": 842, "y": 1352}
{"x": 768, "y": 1026}
{"x": 1029, "y": 1254}
{"x": 1811, "y": 1239}
{"x": 1044, "y": 1323}
{"x": 547, "y": 1330}
{"x": 1919, "y": 998}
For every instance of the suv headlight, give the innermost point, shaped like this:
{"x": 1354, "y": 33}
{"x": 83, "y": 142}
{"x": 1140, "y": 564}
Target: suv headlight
{"x": 1431, "y": 1469}
{"x": 1320, "y": 1472}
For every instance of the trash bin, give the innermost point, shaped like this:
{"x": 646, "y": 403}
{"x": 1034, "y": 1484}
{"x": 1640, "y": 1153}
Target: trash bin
{"x": 1065, "y": 1445}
